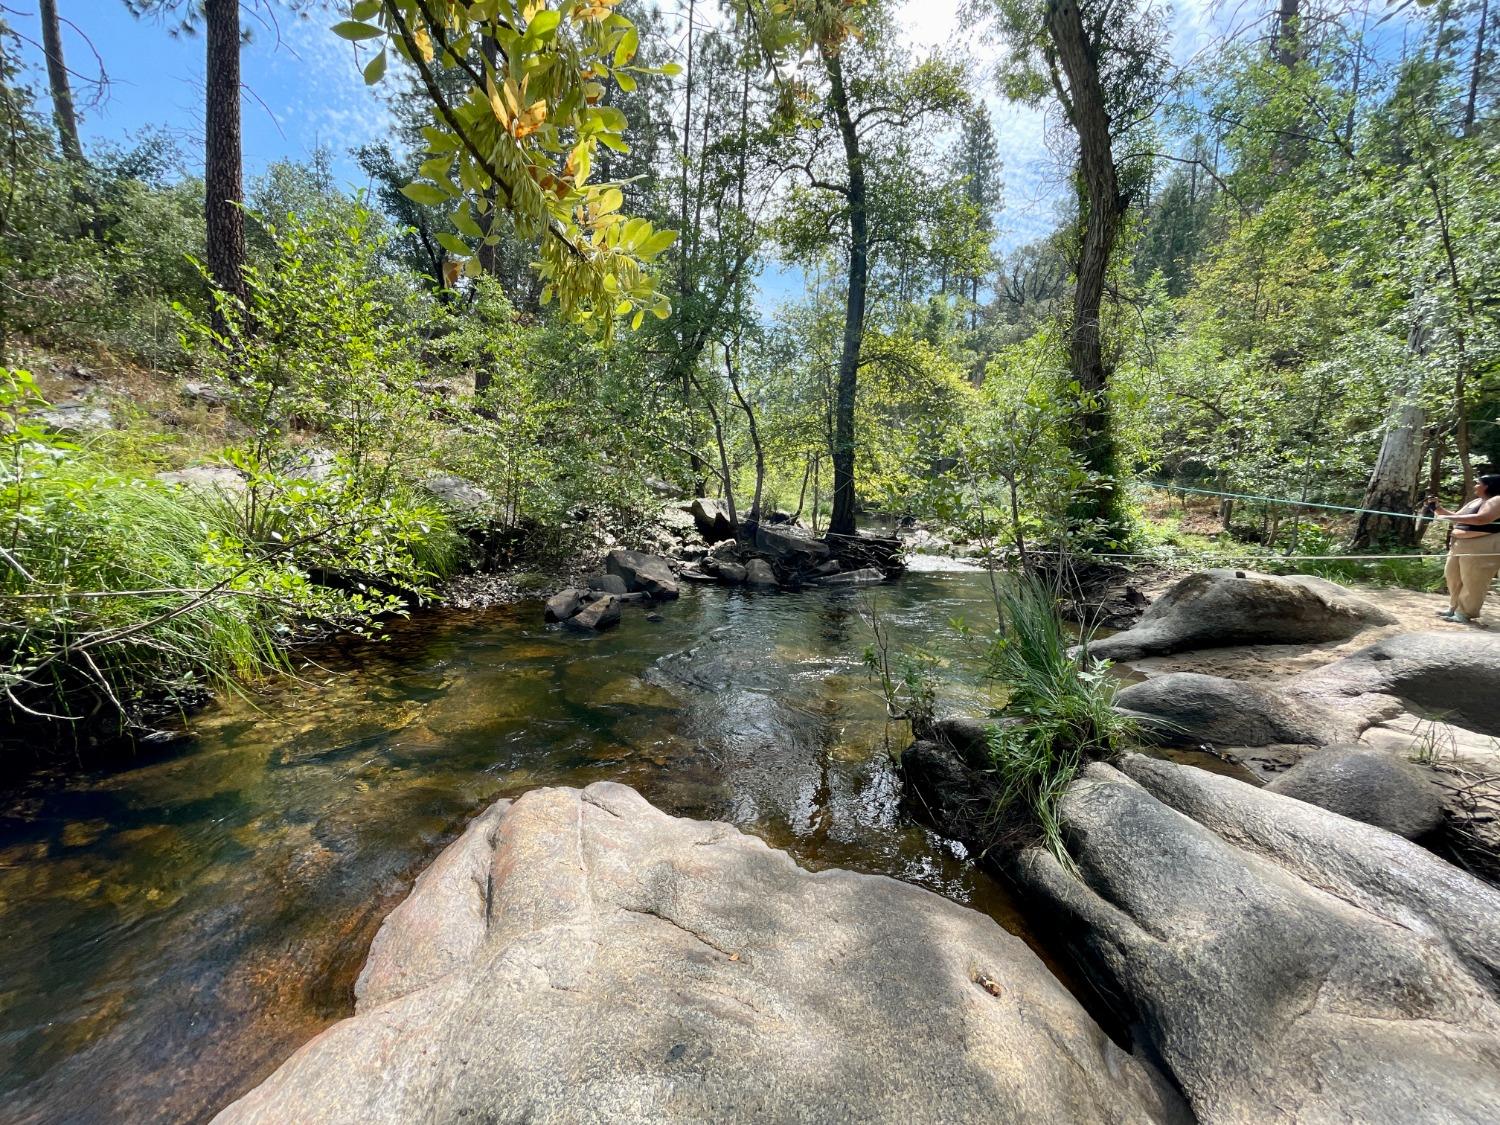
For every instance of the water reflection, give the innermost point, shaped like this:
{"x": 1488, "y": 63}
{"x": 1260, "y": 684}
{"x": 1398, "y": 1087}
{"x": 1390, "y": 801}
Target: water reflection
{"x": 173, "y": 929}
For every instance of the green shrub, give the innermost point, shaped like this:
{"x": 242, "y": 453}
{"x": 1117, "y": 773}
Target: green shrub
{"x": 1060, "y": 709}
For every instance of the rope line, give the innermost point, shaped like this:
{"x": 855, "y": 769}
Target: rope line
{"x": 1278, "y": 500}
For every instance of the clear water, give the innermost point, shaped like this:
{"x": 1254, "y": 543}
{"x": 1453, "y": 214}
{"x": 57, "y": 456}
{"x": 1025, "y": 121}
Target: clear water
{"x": 172, "y": 929}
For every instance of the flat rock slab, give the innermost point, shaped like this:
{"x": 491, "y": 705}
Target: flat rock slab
{"x": 581, "y": 956}
{"x": 1286, "y": 963}
{"x": 1222, "y": 607}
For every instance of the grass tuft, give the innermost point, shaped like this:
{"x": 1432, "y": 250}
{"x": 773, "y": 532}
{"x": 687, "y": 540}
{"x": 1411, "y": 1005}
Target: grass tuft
{"x": 1060, "y": 710}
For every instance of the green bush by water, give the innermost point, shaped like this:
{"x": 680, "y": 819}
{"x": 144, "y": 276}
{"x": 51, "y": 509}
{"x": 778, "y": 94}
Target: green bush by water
{"x": 1061, "y": 710}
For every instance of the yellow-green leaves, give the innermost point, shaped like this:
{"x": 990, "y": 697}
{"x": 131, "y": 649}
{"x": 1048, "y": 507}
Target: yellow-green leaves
{"x": 518, "y": 89}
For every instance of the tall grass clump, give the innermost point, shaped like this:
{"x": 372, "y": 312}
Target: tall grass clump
{"x": 1060, "y": 711}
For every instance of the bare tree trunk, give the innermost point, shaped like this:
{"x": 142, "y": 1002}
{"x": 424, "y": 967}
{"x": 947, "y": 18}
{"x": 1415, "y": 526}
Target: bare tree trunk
{"x": 57, "y": 81}
{"x": 841, "y": 522}
{"x": 1288, "y": 38}
{"x": 753, "y": 516}
{"x": 1398, "y": 470}
{"x": 222, "y": 174}
{"x": 1103, "y": 208}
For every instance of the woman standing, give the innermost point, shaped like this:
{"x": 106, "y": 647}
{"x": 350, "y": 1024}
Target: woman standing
{"x": 1474, "y": 553}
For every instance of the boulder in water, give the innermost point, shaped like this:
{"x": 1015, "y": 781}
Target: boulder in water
{"x": 563, "y": 605}
{"x": 1366, "y": 784}
{"x": 1219, "y": 607}
{"x": 581, "y": 956}
{"x": 786, "y": 547}
{"x": 1284, "y": 962}
{"x": 607, "y": 584}
{"x": 598, "y": 614}
{"x": 760, "y": 576}
{"x": 650, "y": 574}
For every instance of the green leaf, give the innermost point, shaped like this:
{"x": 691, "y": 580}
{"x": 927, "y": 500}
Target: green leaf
{"x": 428, "y": 195}
{"x": 543, "y": 23}
{"x": 625, "y": 50}
{"x": 637, "y": 319}
{"x": 375, "y": 70}
{"x": 364, "y": 9}
{"x": 453, "y": 244}
{"x": 671, "y": 69}
{"x": 657, "y": 243}
{"x": 354, "y": 30}
{"x": 436, "y": 168}
{"x": 466, "y": 224}
{"x": 624, "y": 81}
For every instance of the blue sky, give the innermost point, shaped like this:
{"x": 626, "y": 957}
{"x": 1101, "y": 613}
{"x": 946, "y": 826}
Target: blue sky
{"x": 303, "y": 90}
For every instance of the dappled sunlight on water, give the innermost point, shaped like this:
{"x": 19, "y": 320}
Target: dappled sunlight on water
{"x": 173, "y": 929}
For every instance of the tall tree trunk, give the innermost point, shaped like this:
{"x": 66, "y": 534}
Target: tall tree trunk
{"x": 57, "y": 81}
{"x": 1398, "y": 470}
{"x": 841, "y": 521}
{"x": 222, "y": 174}
{"x": 1476, "y": 68}
{"x": 1103, "y": 208}
{"x": 1288, "y": 38}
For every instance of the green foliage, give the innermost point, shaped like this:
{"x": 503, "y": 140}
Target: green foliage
{"x": 1059, "y": 709}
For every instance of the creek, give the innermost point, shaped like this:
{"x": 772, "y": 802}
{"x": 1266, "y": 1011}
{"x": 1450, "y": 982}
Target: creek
{"x": 175, "y": 926}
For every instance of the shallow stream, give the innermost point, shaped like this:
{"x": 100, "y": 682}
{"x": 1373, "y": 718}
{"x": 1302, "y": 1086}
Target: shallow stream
{"x": 172, "y": 929}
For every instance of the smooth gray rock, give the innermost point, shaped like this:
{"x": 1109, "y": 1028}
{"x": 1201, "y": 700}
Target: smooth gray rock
{"x": 1187, "y": 707}
{"x": 581, "y": 956}
{"x": 206, "y": 478}
{"x": 607, "y": 583}
{"x": 1286, "y": 963}
{"x": 457, "y": 494}
{"x": 76, "y": 417}
{"x": 1455, "y": 675}
{"x": 760, "y": 576}
{"x": 598, "y": 614}
{"x": 1366, "y": 784}
{"x": 1219, "y": 607}
{"x": 643, "y": 573}
{"x": 731, "y": 573}
{"x": 563, "y": 605}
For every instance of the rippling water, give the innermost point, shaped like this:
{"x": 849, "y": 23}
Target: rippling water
{"x": 169, "y": 931}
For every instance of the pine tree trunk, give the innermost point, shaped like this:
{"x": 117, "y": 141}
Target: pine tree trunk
{"x": 222, "y": 174}
{"x": 1103, "y": 208}
{"x": 841, "y": 521}
{"x": 57, "y": 81}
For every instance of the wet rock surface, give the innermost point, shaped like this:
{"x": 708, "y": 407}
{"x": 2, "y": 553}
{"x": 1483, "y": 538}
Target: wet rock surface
{"x": 1223, "y": 607}
{"x": 578, "y": 955}
{"x": 1284, "y": 962}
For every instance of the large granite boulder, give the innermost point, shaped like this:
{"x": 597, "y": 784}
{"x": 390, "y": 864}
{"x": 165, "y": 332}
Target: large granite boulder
{"x": 711, "y": 517}
{"x": 1219, "y": 607}
{"x": 643, "y": 573}
{"x": 760, "y": 576}
{"x": 1367, "y": 784}
{"x": 1284, "y": 962}
{"x": 580, "y": 956}
{"x": 1180, "y": 708}
{"x": 1453, "y": 675}
{"x": 563, "y": 605}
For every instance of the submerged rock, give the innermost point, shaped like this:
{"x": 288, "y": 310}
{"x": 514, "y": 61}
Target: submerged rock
{"x": 1285, "y": 963}
{"x": 1219, "y": 607}
{"x": 643, "y": 573}
{"x": 1366, "y": 784}
{"x": 868, "y": 576}
{"x": 581, "y": 956}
